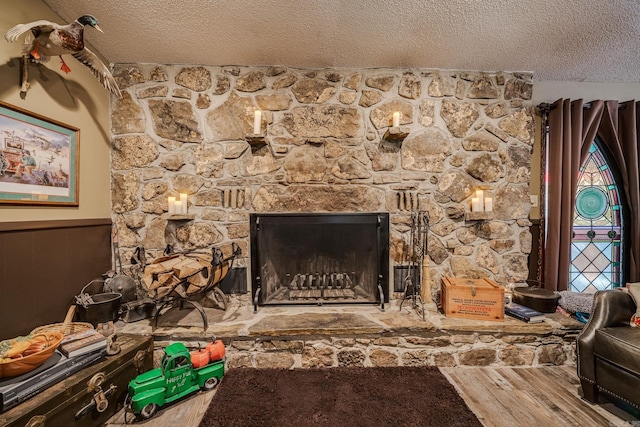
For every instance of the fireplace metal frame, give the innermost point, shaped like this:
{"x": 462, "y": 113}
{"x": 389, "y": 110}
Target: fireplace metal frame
{"x": 379, "y": 219}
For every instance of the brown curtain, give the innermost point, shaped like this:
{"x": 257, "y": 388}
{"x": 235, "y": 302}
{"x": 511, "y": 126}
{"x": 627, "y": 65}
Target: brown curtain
{"x": 572, "y": 128}
{"x": 619, "y": 132}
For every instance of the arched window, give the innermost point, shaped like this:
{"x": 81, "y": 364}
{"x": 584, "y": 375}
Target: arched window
{"x": 596, "y": 247}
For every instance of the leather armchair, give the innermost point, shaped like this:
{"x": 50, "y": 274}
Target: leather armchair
{"x": 608, "y": 350}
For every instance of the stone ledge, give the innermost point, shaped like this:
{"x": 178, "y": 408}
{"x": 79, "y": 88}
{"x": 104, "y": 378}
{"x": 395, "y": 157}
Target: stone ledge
{"x": 335, "y": 320}
{"x": 478, "y": 216}
{"x": 363, "y": 335}
{"x": 315, "y": 324}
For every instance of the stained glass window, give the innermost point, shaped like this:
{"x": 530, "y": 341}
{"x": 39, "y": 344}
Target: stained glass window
{"x": 597, "y": 228}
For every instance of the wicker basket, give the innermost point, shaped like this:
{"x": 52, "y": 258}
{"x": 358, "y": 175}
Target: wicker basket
{"x": 72, "y": 327}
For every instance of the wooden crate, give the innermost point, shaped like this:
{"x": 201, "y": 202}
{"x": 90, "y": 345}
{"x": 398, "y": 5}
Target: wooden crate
{"x": 479, "y": 299}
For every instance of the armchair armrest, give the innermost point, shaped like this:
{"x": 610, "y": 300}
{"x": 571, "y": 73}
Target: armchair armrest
{"x": 610, "y": 308}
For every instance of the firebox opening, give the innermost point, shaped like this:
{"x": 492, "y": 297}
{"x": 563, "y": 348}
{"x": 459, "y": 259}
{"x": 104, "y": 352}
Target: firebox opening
{"x": 319, "y": 258}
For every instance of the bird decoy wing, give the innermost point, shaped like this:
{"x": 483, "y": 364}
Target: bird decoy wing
{"x": 99, "y": 70}
{"x": 41, "y": 26}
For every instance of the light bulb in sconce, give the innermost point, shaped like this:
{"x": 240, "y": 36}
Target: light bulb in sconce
{"x": 396, "y": 119}
{"x": 257, "y": 122}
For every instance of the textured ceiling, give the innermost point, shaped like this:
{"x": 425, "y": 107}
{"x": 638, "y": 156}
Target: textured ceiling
{"x": 573, "y": 40}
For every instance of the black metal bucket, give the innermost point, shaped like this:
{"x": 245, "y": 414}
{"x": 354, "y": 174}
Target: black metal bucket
{"x": 102, "y": 306}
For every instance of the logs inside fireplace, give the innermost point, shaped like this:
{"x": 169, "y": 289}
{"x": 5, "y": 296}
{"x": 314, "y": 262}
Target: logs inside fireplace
{"x": 318, "y": 258}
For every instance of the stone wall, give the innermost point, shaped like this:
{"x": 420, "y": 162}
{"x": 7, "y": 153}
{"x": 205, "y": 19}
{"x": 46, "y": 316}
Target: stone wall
{"x": 446, "y": 350}
{"x": 184, "y": 129}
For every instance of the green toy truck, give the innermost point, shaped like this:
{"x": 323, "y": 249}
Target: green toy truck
{"x": 180, "y": 373}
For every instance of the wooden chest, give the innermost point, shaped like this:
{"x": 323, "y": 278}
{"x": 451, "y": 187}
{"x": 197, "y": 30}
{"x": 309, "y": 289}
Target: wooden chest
{"x": 479, "y": 299}
{"x": 62, "y": 404}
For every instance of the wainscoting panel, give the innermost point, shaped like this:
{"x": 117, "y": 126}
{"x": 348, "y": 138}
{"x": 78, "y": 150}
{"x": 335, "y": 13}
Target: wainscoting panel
{"x": 44, "y": 265}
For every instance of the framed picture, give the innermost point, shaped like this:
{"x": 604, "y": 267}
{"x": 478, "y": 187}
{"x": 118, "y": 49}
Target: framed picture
{"x": 38, "y": 159}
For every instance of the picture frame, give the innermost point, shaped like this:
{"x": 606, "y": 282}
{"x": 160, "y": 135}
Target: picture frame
{"x": 39, "y": 159}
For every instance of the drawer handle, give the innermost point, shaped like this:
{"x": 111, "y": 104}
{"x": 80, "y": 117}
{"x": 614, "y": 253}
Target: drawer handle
{"x": 96, "y": 381}
{"x": 100, "y": 399}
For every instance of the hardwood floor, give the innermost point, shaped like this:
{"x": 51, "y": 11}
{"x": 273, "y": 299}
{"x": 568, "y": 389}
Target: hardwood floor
{"x": 185, "y": 413}
{"x": 540, "y": 397}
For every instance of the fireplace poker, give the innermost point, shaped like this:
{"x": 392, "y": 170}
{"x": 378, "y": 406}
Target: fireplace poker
{"x": 418, "y": 238}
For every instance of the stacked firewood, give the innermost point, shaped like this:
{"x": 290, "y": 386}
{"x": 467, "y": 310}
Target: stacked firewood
{"x": 183, "y": 274}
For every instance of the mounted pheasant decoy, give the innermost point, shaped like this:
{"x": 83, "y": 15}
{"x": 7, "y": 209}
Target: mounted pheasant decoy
{"x": 47, "y": 39}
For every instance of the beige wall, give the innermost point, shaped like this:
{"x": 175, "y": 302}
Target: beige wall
{"x": 77, "y": 99}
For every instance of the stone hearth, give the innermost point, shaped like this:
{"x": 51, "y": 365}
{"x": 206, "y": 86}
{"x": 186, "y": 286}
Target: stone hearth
{"x": 328, "y": 336}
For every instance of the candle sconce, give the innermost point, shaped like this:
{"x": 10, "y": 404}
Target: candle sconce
{"x": 478, "y": 216}
{"x": 256, "y": 141}
{"x": 395, "y": 132}
{"x": 178, "y": 205}
{"x": 481, "y": 206}
{"x": 180, "y": 217}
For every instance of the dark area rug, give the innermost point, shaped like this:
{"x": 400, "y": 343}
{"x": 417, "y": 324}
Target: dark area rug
{"x": 393, "y": 396}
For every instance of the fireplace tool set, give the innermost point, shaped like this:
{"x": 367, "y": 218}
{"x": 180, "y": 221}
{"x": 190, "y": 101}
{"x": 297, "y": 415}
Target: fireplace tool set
{"x": 418, "y": 260}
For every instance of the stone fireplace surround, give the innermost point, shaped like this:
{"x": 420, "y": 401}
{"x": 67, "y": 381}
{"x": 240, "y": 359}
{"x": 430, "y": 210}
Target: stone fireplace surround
{"x": 183, "y": 129}
{"x": 327, "y": 148}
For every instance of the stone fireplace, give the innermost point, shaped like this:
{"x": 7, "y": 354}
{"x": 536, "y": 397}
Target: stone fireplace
{"x": 319, "y": 258}
{"x": 326, "y": 148}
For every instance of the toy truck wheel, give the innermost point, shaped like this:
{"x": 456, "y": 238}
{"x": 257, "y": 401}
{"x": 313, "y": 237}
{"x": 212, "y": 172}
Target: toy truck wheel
{"x": 148, "y": 411}
{"x": 211, "y": 383}
{"x": 127, "y": 403}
